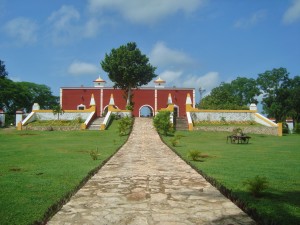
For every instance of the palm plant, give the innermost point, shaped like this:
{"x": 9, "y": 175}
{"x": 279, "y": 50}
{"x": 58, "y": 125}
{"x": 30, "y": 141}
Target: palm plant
{"x": 57, "y": 110}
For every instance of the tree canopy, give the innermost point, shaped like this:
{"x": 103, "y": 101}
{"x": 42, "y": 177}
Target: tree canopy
{"x": 235, "y": 95}
{"x": 280, "y": 94}
{"x": 128, "y": 68}
{"x": 275, "y": 85}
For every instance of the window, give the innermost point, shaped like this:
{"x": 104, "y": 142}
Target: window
{"x": 81, "y": 107}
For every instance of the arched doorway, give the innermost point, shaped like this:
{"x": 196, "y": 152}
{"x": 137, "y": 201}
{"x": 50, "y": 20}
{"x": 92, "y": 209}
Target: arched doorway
{"x": 176, "y": 111}
{"x": 105, "y": 110}
{"x": 146, "y": 111}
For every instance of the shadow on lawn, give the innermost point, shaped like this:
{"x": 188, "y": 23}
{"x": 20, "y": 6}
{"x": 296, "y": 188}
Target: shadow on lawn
{"x": 274, "y": 208}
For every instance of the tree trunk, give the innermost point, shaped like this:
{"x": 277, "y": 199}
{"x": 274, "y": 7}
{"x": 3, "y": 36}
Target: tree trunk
{"x": 128, "y": 96}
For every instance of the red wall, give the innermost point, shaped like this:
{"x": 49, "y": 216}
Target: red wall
{"x": 143, "y": 97}
{"x": 72, "y": 97}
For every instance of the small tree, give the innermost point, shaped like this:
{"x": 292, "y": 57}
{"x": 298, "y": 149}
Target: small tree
{"x": 57, "y": 110}
{"x": 162, "y": 123}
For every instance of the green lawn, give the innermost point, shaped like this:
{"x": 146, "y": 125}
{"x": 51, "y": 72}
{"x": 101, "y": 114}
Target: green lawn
{"x": 39, "y": 169}
{"x": 277, "y": 158}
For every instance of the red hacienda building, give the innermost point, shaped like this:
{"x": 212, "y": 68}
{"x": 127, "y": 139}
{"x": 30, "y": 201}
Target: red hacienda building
{"x": 150, "y": 98}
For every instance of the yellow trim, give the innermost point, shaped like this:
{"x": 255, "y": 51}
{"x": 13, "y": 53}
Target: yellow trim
{"x": 279, "y": 129}
{"x": 191, "y": 126}
{"x": 83, "y": 126}
{"x": 44, "y": 111}
{"x": 189, "y": 108}
{"x": 170, "y": 108}
{"x": 19, "y": 126}
{"x": 264, "y": 119}
{"x": 102, "y": 127}
{"x": 113, "y": 109}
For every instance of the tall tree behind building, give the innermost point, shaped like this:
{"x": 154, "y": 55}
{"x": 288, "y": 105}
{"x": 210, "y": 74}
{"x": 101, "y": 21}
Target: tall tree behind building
{"x": 128, "y": 68}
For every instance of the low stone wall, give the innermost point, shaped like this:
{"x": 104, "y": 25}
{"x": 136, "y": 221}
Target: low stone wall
{"x": 218, "y": 115}
{"x": 64, "y": 116}
{"x": 52, "y": 128}
{"x": 247, "y": 130}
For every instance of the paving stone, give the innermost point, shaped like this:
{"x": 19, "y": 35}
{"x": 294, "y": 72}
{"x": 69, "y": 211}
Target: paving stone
{"x": 146, "y": 183}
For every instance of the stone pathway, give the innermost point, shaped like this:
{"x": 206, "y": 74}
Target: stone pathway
{"x": 145, "y": 183}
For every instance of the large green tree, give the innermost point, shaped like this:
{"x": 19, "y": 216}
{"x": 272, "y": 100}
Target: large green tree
{"x": 275, "y": 86}
{"x": 235, "y": 95}
{"x": 128, "y": 68}
{"x": 22, "y": 95}
{"x": 38, "y": 93}
{"x": 245, "y": 91}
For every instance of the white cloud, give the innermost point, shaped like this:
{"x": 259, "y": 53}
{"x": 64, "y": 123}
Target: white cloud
{"x": 82, "y": 68}
{"x": 91, "y": 28}
{"x": 171, "y": 76}
{"x": 207, "y": 81}
{"x": 252, "y": 20}
{"x": 293, "y": 13}
{"x": 63, "y": 18}
{"x": 163, "y": 56}
{"x": 22, "y": 29}
{"x": 64, "y": 25}
{"x": 145, "y": 11}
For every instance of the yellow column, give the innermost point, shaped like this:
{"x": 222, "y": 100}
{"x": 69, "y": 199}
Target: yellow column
{"x": 19, "y": 126}
{"x": 279, "y": 129}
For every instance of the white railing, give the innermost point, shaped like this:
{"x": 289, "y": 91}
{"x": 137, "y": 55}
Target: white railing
{"x": 90, "y": 117}
{"x": 264, "y": 120}
{"x": 106, "y": 120}
{"x": 29, "y": 118}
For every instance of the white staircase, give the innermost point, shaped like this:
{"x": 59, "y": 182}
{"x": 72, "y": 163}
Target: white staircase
{"x": 95, "y": 125}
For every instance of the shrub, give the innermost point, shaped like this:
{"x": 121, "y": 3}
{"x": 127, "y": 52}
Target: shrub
{"x": 129, "y": 107}
{"x": 94, "y": 154}
{"x": 194, "y": 155}
{"x": 175, "y": 140}
{"x": 125, "y": 125}
{"x": 162, "y": 123}
{"x": 223, "y": 121}
{"x": 285, "y": 128}
{"x": 257, "y": 185}
{"x": 297, "y": 128}
{"x": 79, "y": 120}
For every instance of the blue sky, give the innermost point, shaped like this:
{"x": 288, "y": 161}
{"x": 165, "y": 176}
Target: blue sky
{"x": 193, "y": 43}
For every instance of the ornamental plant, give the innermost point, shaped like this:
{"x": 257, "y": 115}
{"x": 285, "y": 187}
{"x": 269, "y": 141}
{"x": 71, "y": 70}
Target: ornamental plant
{"x": 162, "y": 123}
{"x": 194, "y": 155}
{"x": 175, "y": 140}
{"x": 125, "y": 125}
{"x": 257, "y": 185}
{"x": 95, "y": 154}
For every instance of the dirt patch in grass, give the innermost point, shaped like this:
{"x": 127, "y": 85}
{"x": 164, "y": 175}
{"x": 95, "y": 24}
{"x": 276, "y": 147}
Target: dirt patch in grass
{"x": 26, "y": 134}
{"x": 15, "y": 169}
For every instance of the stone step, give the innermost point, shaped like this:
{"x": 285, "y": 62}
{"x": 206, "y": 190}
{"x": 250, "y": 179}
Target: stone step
{"x": 181, "y": 123}
{"x": 96, "y": 123}
{"x": 94, "y": 127}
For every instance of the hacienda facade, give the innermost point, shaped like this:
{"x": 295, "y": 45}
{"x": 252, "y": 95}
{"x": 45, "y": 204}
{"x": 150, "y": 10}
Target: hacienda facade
{"x": 152, "y": 98}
